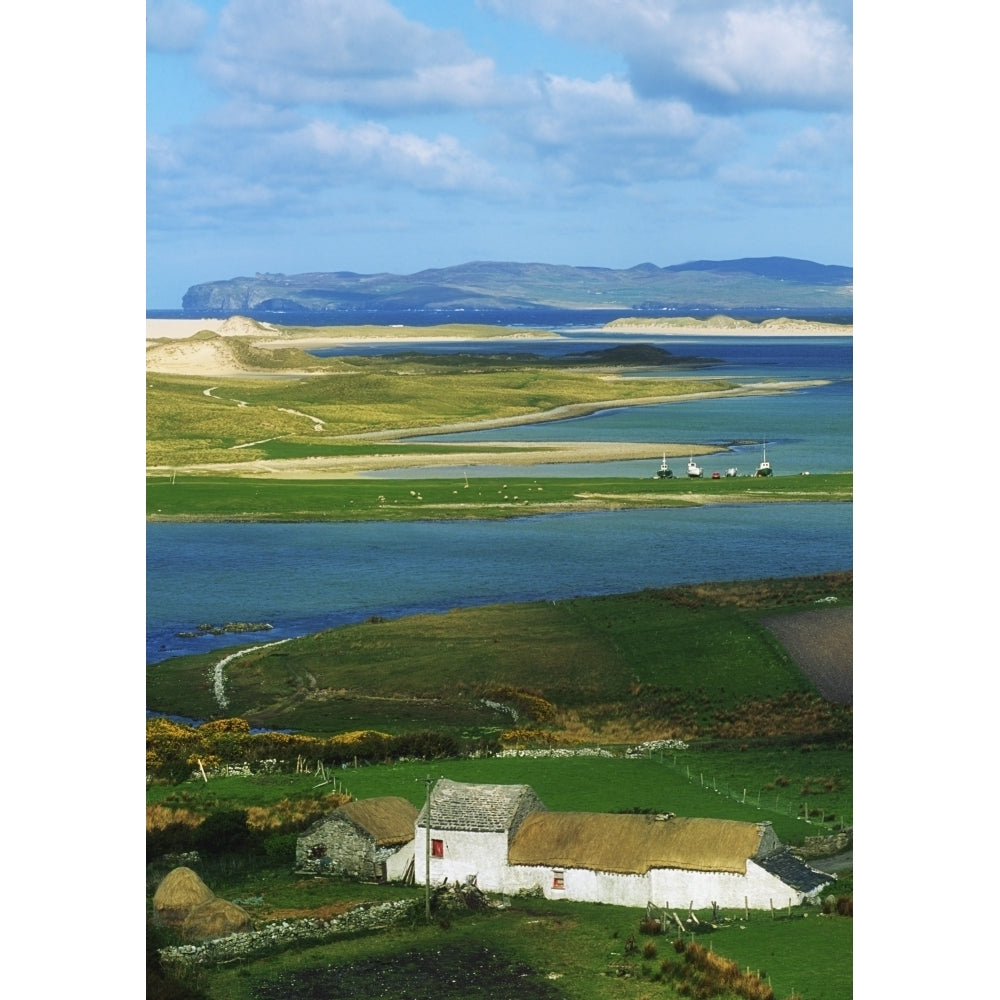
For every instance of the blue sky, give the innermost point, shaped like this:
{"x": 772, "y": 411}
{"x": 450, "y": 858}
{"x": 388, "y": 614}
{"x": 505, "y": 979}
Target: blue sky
{"x": 326, "y": 135}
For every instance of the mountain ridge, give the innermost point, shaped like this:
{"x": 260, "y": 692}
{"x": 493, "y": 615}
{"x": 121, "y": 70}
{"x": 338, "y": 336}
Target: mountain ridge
{"x": 748, "y": 282}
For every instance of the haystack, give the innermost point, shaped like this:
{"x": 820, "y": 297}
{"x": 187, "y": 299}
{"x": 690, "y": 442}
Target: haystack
{"x": 214, "y": 919}
{"x": 178, "y": 894}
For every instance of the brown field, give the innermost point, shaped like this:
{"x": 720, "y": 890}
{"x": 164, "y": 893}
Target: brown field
{"x": 822, "y": 644}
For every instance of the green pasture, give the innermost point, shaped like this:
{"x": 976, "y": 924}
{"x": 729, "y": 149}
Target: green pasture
{"x": 264, "y": 499}
{"x": 685, "y": 661}
{"x": 571, "y": 951}
{"x": 196, "y": 419}
{"x": 749, "y": 785}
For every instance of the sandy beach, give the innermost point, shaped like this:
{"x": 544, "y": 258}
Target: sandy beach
{"x": 721, "y": 326}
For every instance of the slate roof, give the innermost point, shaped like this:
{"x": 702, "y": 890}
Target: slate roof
{"x": 794, "y": 872}
{"x": 628, "y": 843}
{"x": 457, "y": 805}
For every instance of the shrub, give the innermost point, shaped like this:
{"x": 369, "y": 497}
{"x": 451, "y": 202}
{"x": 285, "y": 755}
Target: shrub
{"x": 281, "y": 847}
{"x": 224, "y": 832}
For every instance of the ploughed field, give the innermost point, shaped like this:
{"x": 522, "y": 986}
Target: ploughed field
{"x": 821, "y": 644}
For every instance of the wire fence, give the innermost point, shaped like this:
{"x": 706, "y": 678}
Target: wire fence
{"x": 762, "y": 798}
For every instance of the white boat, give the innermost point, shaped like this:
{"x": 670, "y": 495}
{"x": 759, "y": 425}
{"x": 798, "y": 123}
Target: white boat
{"x": 694, "y": 470}
{"x": 732, "y": 473}
{"x": 764, "y": 469}
{"x": 664, "y": 471}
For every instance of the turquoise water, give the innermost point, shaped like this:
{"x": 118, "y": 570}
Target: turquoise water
{"x": 807, "y": 430}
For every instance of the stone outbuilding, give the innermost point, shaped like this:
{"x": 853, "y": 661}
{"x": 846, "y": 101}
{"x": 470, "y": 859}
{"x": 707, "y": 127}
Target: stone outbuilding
{"x": 369, "y": 839}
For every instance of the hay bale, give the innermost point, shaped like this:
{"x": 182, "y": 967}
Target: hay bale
{"x": 178, "y": 894}
{"x": 214, "y": 919}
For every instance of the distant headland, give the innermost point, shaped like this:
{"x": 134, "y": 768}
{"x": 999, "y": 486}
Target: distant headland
{"x": 787, "y": 285}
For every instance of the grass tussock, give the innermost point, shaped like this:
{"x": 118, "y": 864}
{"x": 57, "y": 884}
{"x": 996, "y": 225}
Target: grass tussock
{"x": 702, "y": 974}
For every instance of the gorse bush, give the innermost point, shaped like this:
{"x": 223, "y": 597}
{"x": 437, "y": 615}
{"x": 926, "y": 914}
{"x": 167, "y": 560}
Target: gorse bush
{"x": 174, "y": 750}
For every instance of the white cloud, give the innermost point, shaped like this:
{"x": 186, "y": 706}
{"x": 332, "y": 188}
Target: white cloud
{"x": 370, "y": 148}
{"x": 366, "y": 55}
{"x": 829, "y": 142}
{"x": 600, "y": 131}
{"x": 727, "y": 54}
{"x": 174, "y": 25}
{"x": 790, "y": 54}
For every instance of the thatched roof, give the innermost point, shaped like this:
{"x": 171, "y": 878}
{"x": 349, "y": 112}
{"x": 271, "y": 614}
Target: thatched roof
{"x": 457, "y": 805}
{"x": 178, "y": 894}
{"x": 389, "y": 819}
{"x": 633, "y": 844}
{"x": 213, "y": 919}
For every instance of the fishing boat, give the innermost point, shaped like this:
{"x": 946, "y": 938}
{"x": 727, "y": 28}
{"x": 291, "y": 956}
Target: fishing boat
{"x": 732, "y": 473}
{"x": 694, "y": 469}
{"x": 764, "y": 469}
{"x": 664, "y": 471}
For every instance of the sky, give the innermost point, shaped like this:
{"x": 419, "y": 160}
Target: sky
{"x": 286, "y": 136}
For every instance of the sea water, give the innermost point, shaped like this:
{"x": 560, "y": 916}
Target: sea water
{"x": 803, "y": 430}
{"x": 302, "y": 578}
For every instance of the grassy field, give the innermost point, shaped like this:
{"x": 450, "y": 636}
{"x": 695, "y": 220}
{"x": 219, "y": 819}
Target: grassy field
{"x": 572, "y": 950}
{"x": 194, "y": 420}
{"x": 684, "y": 662}
{"x": 763, "y": 746}
{"x": 749, "y": 785}
{"x": 264, "y": 499}
{"x": 547, "y": 951}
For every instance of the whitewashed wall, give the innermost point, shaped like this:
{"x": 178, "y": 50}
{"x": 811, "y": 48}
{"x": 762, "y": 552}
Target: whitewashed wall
{"x": 664, "y": 887}
{"x": 465, "y": 853}
{"x": 396, "y": 865}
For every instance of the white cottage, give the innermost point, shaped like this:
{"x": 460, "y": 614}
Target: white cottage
{"x": 370, "y": 838}
{"x": 504, "y": 838}
{"x": 470, "y": 830}
{"x": 630, "y": 860}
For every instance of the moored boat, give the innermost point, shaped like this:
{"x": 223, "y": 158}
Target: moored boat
{"x": 764, "y": 469}
{"x": 664, "y": 471}
{"x": 694, "y": 469}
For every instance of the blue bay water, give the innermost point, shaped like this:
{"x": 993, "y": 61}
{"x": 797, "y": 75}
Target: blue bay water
{"x": 301, "y": 578}
{"x": 805, "y": 430}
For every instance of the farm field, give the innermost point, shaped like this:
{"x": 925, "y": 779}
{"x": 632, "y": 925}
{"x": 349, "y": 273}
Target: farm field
{"x": 233, "y": 498}
{"x": 728, "y": 700}
{"x": 792, "y": 768}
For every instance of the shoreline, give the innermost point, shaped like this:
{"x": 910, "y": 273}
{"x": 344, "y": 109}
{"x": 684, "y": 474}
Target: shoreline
{"x": 180, "y": 329}
{"x": 519, "y": 453}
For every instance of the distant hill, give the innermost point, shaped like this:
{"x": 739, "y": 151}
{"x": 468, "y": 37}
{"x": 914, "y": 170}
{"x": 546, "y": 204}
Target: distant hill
{"x": 747, "y": 283}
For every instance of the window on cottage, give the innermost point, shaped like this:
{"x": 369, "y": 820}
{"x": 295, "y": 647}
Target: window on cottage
{"x": 437, "y": 848}
{"x": 557, "y": 879}
{"x": 317, "y": 851}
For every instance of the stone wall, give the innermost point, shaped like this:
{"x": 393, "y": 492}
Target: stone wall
{"x": 825, "y": 847}
{"x": 277, "y": 936}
